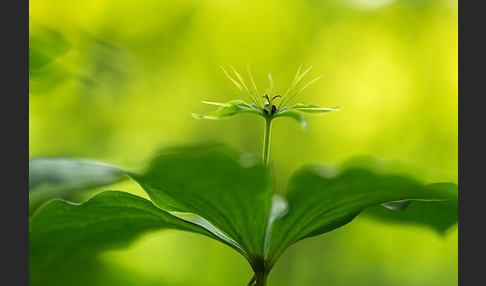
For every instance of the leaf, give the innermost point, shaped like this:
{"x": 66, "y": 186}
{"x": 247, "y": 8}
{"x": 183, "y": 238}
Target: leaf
{"x": 323, "y": 198}
{"x": 51, "y": 177}
{"x": 295, "y": 115}
{"x": 207, "y": 190}
{"x": 62, "y": 230}
{"x": 228, "y": 109}
{"x": 70, "y": 173}
{"x": 299, "y": 110}
{"x": 437, "y": 215}
{"x": 210, "y": 182}
{"x": 397, "y": 206}
{"x": 312, "y": 108}
{"x": 279, "y": 208}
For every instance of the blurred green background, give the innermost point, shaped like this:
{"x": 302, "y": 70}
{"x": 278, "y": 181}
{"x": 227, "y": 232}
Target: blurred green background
{"x": 116, "y": 81}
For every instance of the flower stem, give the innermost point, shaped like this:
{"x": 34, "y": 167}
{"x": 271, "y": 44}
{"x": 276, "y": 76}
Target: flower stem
{"x": 261, "y": 278}
{"x": 261, "y": 273}
{"x": 266, "y": 142}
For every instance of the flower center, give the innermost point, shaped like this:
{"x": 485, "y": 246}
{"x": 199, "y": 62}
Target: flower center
{"x": 266, "y": 107}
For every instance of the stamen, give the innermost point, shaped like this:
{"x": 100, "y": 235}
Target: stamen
{"x": 266, "y": 96}
{"x": 276, "y": 96}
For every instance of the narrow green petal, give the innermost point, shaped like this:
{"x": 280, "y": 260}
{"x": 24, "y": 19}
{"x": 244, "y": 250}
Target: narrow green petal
{"x": 294, "y": 81}
{"x": 302, "y": 88}
{"x": 311, "y": 82}
{"x": 271, "y": 91}
{"x": 240, "y": 87}
{"x": 253, "y": 83}
{"x": 301, "y": 76}
{"x": 242, "y": 81}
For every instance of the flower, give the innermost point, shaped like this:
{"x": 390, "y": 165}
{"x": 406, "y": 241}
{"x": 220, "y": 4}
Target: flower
{"x": 267, "y": 105}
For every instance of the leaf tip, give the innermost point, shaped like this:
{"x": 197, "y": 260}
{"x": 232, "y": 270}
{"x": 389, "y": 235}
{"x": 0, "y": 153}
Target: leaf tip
{"x": 197, "y": 116}
{"x": 303, "y": 124}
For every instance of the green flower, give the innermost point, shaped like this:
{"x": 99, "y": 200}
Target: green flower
{"x": 269, "y": 105}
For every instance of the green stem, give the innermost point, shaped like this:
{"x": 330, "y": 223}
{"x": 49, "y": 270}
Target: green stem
{"x": 261, "y": 278}
{"x": 261, "y": 272}
{"x": 266, "y": 142}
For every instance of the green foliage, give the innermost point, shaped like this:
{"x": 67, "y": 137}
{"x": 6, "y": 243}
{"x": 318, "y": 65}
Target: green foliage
{"x": 439, "y": 215}
{"x": 211, "y": 183}
{"x": 205, "y": 190}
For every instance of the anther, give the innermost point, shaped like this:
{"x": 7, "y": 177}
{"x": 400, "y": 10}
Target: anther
{"x": 266, "y": 96}
{"x": 266, "y": 108}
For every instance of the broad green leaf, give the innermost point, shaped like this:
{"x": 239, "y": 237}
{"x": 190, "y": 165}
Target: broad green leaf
{"x": 70, "y": 173}
{"x": 229, "y": 109}
{"x": 438, "y": 215}
{"x": 51, "y": 177}
{"x": 279, "y": 208}
{"x": 323, "y": 198}
{"x": 209, "y": 182}
{"x": 397, "y": 206}
{"x": 62, "y": 230}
